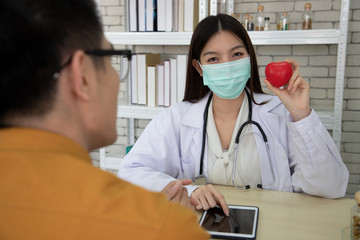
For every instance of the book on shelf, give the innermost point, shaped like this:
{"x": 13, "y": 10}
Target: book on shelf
{"x": 160, "y": 84}
{"x": 142, "y": 61}
{"x": 133, "y": 79}
{"x": 230, "y": 7}
{"x": 181, "y": 61}
{"x": 149, "y": 16}
{"x": 167, "y": 15}
{"x": 151, "y": 86}
{"x": 180, "y": 15}
{"x": 141, "y": 15}
{"x": 191, "y": 15}
{"x": 157, "y": 83}
{"x": 175, "y": 15}
{"x": 173, "y": 81}
{"x": 133, "y": 15}
{"x": 203, "y": 9}
{"x": 166, "y": 83}
{"x": 161, "y": 15}
{"x": 213, "y": 7}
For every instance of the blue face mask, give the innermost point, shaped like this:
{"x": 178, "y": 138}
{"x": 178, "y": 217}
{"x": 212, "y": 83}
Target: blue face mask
{"x": 227, "y": 80}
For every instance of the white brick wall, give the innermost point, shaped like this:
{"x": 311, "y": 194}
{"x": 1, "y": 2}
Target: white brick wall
{"x": 318, "y": 66}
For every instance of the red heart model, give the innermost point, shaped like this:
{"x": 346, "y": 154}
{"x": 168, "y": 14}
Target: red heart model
{"x": 278, "y": 73}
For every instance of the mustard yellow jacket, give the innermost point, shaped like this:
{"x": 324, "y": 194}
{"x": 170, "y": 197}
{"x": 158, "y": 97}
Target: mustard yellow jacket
{"x": 50, "y": 190}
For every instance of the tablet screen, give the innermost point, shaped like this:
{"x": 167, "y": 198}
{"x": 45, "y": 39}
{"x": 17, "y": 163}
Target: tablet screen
{"x": 241, "y": 222}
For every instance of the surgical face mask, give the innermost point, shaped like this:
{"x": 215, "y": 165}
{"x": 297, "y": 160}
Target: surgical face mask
{"x": 227, "y": 80}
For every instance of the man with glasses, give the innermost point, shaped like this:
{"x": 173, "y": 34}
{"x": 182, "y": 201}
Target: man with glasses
{"x": 58, "y": 101}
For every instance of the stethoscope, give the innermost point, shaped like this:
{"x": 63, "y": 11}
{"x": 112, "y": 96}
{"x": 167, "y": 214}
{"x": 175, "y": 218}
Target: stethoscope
{"x": 249, "y": 121}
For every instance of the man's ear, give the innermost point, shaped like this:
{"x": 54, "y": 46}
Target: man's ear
{"x": 197, "y": 67}
{"x": 79, "y": 81}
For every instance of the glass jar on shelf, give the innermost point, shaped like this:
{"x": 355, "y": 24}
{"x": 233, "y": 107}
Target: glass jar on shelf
{"x": 283, "y": 21}
{"x": 250, "y": 24}
{"x": 307, "y": 17}
{"x": 266, "y": 24}
{"x": 259, "y": 19}
{"x": 245, "y": 20}
{"x": 237, "y": 16}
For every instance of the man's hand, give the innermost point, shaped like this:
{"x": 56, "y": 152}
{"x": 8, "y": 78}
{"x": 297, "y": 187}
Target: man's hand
{"x": 175, "y": 192}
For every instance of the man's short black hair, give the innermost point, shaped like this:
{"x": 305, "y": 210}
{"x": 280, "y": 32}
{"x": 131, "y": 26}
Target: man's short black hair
{"x": 36, "y": 38}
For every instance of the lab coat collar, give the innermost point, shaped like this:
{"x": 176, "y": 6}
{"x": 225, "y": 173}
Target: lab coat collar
{"x": 194, "y": 116}
{"x": 272, "y": 101}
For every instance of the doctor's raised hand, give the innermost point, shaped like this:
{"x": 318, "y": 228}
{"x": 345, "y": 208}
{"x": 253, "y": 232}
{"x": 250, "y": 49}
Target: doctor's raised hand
{"x": 295, "y": 95}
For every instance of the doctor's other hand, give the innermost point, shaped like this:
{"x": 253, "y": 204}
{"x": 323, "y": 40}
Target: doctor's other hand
{"x": 295, "y": 95}
{"x": 175, "y": 192}
{"x": 206, "y": 196}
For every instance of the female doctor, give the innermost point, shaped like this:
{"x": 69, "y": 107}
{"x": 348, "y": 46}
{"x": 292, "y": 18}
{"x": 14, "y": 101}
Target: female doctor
{"x": 232, "y": 133}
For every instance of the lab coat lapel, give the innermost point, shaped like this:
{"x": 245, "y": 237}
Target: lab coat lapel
{"x": 269, "y": 123}
{"x": 194, "y": 119}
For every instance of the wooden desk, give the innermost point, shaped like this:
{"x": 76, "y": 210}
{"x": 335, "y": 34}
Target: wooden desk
{"x": 293, "y": 216}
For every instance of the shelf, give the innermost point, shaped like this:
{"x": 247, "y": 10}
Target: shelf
{"x": 143, "y": 112}
{"x": 138, "y": 112}
{"x": 291, "y": 37}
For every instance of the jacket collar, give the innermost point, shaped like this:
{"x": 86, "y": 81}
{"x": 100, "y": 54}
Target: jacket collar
{"x": 35, "y": 140}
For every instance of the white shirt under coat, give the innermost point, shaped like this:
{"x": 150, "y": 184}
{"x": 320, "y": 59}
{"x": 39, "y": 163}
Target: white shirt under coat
{"x": 303, "y": 154}
{"x": 221, "y": 162}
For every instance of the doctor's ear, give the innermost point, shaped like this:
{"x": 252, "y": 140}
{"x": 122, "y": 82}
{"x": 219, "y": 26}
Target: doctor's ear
{"x": 196, "y": 65}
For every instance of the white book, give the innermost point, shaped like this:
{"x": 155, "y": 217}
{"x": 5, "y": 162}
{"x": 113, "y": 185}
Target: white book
{"x": 188, "y": 15}
{"x": 141, "y": 15}
{"x": 181, "y": 16}
{"x": 169, "y": 17}
{"x": 160, "y": 84}
{"x": 181, "y": 61}
{"x": 144, "y": 60}
{"x": 203, "y": 9}
{"x": 141, "y": 77}
{"x": 161, "y": 15}
{"x": 191, "y": 15}
{"x": 149, "y": 15}
{"x": 132, "y": 12}
{"x": 166, "y": 83}
{"x": 175, "y": 15}
{"x": 213, "y": 7}
{"x": 133, "y": 79}
{"x": 173, "y": 81}
{"x": 151, "y": 86}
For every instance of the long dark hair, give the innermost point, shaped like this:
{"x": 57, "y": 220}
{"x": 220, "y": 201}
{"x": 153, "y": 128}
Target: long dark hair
{"x": 195, "y": 88}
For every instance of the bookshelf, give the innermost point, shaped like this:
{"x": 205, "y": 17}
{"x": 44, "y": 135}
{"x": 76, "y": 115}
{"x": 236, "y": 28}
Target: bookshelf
{"x": 332, "y": 120}
{"x": 291, "y": 37}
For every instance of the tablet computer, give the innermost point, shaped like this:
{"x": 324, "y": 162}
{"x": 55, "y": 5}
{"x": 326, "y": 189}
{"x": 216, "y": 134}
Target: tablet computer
{"x": 240, "y": 224}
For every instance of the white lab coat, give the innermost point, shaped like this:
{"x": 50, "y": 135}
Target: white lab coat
{"x": 303, "y": 154}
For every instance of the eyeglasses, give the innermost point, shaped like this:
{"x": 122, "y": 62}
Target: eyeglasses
{"x": 125, "y": 58}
